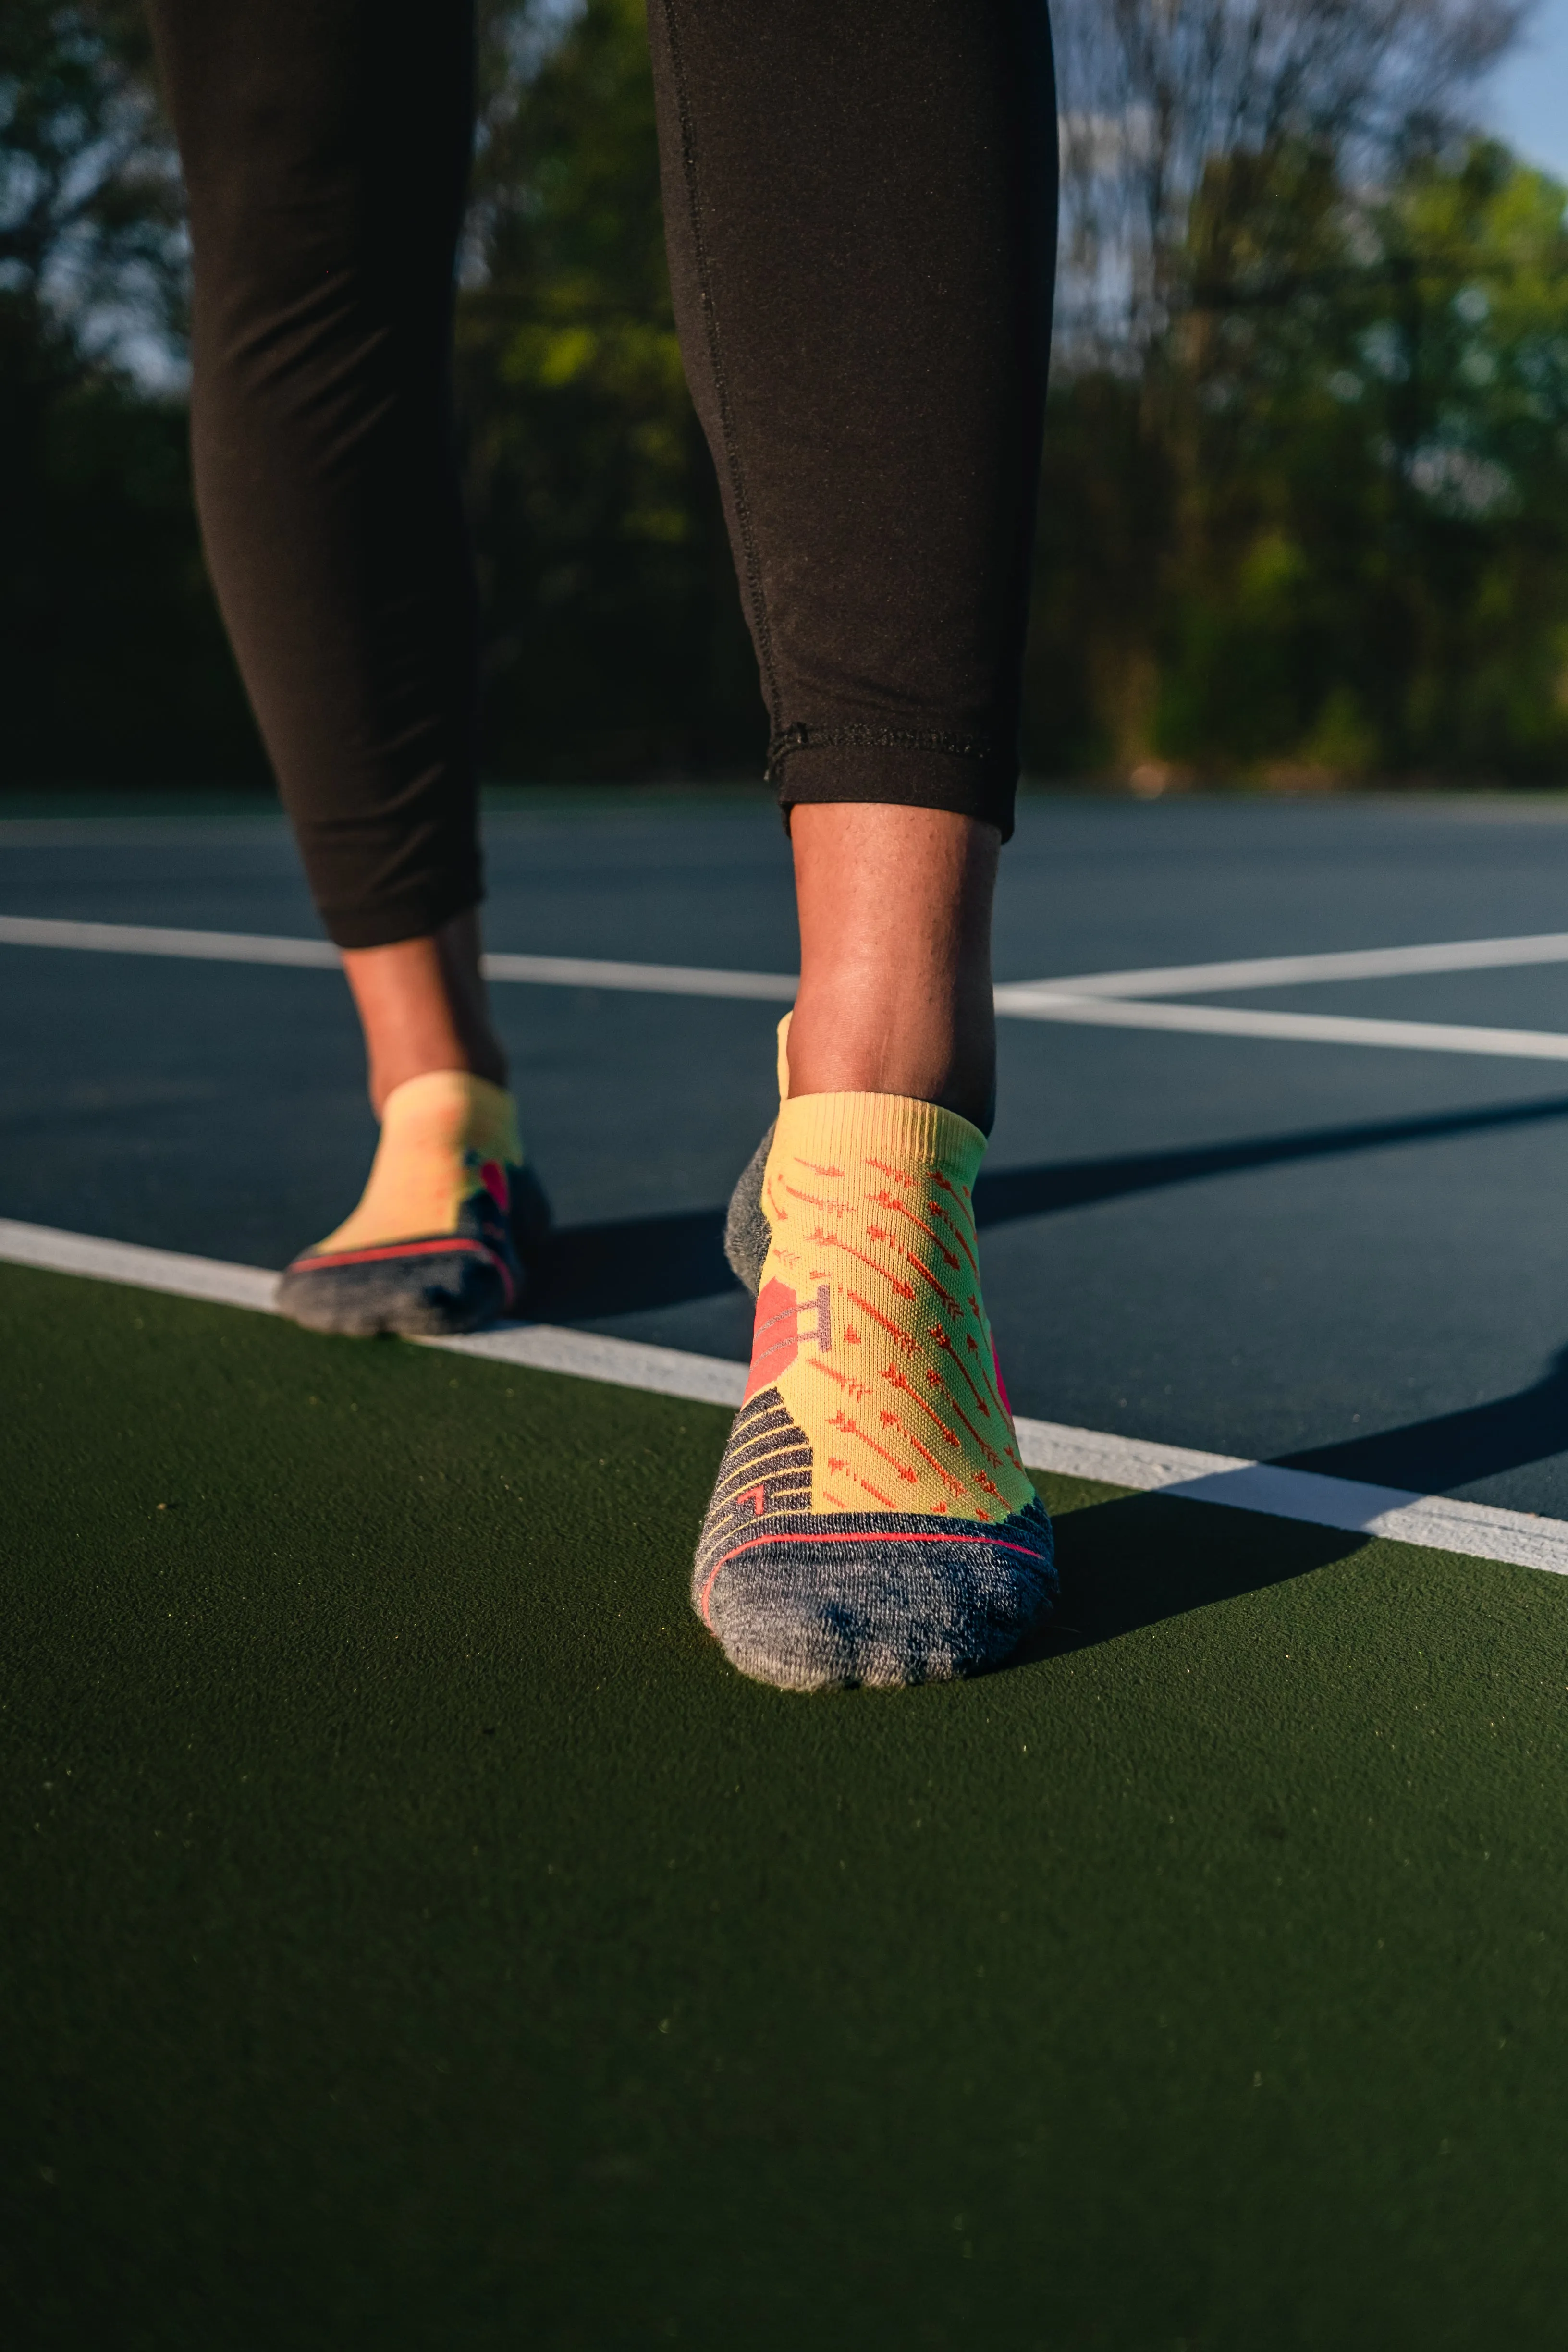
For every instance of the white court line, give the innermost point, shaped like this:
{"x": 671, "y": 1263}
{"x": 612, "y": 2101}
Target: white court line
{"x": 1023, "y": 1000}
{"x": 149, "y": 939}
{"x": 1290, "y": 971}
{"x": 256, "y": 947}
{"x": 658, "y": 978}
{"x": 1034, "y": 1003}
{"x": 1435, "y": 1522}
{"x": 687, "y": 979}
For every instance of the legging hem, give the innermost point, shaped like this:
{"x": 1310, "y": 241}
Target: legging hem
{"x": 905, "y": 771}
{"x": 410, "y": 915}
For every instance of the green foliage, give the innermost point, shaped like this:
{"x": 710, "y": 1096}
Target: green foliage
{"x": 1326, "y": 530}
{"x": 89, "y": 204}
{"x": 1315, "y": 525}
{"x": 614, "y": 641}
{"x": 112, "y": 664}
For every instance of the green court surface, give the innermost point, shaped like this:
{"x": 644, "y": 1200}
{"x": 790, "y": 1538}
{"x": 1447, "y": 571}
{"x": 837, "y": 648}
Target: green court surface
{"x": 416, "y": 1935}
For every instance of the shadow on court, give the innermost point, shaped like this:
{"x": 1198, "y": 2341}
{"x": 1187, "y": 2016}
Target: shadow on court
{"x": 1454, "y": 1448}
{"x": 623, "y": 1267}
{"x": 1010, "y": 1193}
{"x": 1140, "y": 1558}
{"x": 620, "y": 1267}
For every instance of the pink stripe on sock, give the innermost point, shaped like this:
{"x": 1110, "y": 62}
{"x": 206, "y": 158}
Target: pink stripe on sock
{"x": 445, "y": 1247}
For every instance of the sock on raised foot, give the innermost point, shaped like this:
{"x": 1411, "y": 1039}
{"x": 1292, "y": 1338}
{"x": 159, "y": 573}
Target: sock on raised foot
{"x": 434, "y": 1245}
{"x": 872, "y": 1522}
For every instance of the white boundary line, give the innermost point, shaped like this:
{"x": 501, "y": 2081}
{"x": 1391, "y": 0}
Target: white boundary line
{"x": 1096, "y": 1000}
{"x": 657, "y": 978}
{"x": 1036, "y": 1003}
{"x": 150, "y": 938}
{"x": 1164, "y": 979}
{"x": 1435, "y": 1522}
{"x": 318, "y": 955}
{"x": 1292, "y": 971}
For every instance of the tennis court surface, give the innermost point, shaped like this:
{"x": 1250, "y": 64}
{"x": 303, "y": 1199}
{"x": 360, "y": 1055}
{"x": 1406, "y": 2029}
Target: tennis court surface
{"x": 416, "y": 1933}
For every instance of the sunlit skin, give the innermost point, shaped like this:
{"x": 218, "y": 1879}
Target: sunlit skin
{"x": 895, "y": 987}
{"x": 895, "y": 941}
{"x": 422, "y": 1005}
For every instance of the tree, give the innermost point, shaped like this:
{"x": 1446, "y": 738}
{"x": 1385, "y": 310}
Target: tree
{"x": 91, "y": 238}
{"x": 614, "y": 638}
{"x": 1337, "y": 495}
{"x": 1157, "y": 92}
{"x": 113, "y": 665}
{"x": 1274, "y": 486}
{"x": 1305, "y": 508}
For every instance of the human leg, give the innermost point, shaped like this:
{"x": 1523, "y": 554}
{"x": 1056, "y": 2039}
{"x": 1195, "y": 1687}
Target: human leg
{"x": 422, "y": 1006}
{"x": 860, "y": 205}
{"x": 325, "y": 148}
{"x": 895, "y": 929}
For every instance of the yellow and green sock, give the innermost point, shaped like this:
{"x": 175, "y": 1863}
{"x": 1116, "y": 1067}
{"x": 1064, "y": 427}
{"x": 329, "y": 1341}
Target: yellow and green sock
{"x": 872, "y": 1522}
{"x": 433, "y": 1246}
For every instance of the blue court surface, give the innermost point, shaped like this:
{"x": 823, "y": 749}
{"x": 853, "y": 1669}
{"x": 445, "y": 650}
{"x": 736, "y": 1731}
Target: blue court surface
{"x": 1348, "y": 1256}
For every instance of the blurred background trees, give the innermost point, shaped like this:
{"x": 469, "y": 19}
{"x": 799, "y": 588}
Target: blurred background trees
{"x": 1304, "y": 512}
{"x": 1306, "y": 500}
{"x": 112, "y": 664}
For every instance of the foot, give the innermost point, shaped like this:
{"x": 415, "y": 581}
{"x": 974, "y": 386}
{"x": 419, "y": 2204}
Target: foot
{"x": 872, "y": 1522}
{"x": 447, "y": 1224}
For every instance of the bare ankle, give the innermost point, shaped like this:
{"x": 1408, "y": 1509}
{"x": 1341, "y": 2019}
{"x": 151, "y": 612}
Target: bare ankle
{"x": 423, "y": 1007}
{"x": 894, "y": 919}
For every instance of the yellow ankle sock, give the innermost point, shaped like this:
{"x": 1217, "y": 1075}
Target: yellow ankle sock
{"x": 872, "y": 1521}
{"x": 437, "y": 1243}
{"x": 443, "y": 1135}
{"x": 869, "y": 1321}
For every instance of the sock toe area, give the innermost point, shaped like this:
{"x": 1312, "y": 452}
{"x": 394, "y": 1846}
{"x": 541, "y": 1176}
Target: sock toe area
{"x": 887, "y": 1601}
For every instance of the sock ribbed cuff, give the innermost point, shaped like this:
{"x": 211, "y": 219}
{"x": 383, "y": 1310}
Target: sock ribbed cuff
{"x": 895, "y": 1128}
{"x": 443, "y": 1135}
{"x": 457, "y": 1109}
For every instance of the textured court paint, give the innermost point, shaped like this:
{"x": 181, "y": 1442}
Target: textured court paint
{"x": 414, "y": 1935}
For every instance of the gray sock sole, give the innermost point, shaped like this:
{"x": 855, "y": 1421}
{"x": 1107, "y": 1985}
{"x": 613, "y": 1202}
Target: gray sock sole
{"x": 430, "y": 1288}
{"x": 425, "y": 1296}
{"x": 817, "y": 1601}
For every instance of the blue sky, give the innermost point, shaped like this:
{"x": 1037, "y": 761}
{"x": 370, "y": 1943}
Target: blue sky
{"x": 1528, "y": 97}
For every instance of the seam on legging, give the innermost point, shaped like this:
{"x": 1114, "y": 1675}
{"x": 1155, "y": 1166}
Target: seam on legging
{"x": 716, "y": 362}
{"x": 876, "y": 738}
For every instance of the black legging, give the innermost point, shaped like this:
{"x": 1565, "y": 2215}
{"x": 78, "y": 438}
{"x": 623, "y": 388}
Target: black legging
{"x": 860, "y": 204}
